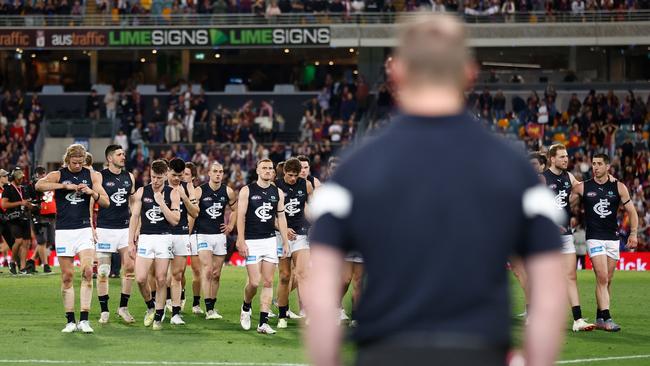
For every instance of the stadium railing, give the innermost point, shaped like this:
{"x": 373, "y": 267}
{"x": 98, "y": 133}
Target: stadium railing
{"x": 152, "y": 19}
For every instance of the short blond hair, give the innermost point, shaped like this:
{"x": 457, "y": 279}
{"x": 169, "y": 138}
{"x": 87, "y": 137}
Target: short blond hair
{"x": 433, "y": 49}
{"x": 74, "y": 151}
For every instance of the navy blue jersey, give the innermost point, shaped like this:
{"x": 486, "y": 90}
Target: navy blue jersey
{"x": 212, "y": 207}
{"x": 72, "y": 207}
{"x": 153, "y": 221}
{"x": 463, "y": 203}
{"x": 261, "y": 211}
{"x": 601, "y": 202}
{"x": 183, "y": 226}
{"x": 561, "y": 187}
{"x": 295, "y": 198}
{"x": 118, "y": 187}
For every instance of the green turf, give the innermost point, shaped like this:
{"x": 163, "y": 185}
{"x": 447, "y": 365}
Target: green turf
{"x": 31, "y": 317}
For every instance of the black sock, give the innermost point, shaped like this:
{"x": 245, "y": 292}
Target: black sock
{"x": 103, "y": 303}
{"x": 70, "y": 316}
{"x": 577, "y": 312}
{"x": 124, "y": 300}
{"x": 182, "y": 294}
{"x": 176, "y": 310}
{"x": 599, "y": 314}
{"x": 283, "y": 311}
{"x": 197, "y": 300}
{"x": 605, "y": 314}
{"x": 159, "y": 315}
{"x": 153, "y": 295}
{"x": 209, "y": 304}
{"x": 246, "y": 306}
{"x": 83, "y": 316}
{"x": 264, "y": 318}
{"x": 169, "y": 293}
{"x": 150, "y": 304}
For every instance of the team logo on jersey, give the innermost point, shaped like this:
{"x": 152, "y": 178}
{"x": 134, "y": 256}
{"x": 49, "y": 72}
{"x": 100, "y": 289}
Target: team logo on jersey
{"x": 256, "y": 197}
{"x": 300, "y": 193}
{"x": 610, "y": 193}
{"x": 154, "y": 215}
{"x": 74, "y": 198}
{"x": 263, "y": 212}
{"x": 110, "y": 184}
{"x": 66, "y": 182}
{"x": 292, "y": 207}
{"x": 214, "y": 211}
{"x": 560, "y": 199}
{"x": 591, "y": 194}
{"x": 601, "y": 208}
{"x": 118, "y": 197}
{"x": 147, "y": 200}
{"x": 552, "y": 186}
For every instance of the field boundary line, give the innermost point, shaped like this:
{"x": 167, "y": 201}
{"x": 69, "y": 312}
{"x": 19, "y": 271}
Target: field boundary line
{"x": 600, "y": 359}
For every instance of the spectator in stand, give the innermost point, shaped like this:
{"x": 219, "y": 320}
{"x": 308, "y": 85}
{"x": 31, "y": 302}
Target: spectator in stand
{"x": 110, "y": 103}
{"x": 93, "y": 105}
{"x": 122, "y": 140}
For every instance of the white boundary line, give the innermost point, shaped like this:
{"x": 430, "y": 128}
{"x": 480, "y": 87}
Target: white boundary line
{"x": 171, "y": 363}
{"x": 586, "y": 360}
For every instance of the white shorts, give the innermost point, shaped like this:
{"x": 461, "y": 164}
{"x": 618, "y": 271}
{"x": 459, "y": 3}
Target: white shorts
{"x": 262, "y": 250}
{"x": 354, "y": 257}
{"x": 568, "y": 245}
{"x": 155, "y": 246}
{"x": 70, "y": 242}
{"x": 181, "y": 246}
{"x": 216, "y": 243}
{"x": 300, "y": 243}
{"x": 111, "y": 240}
{"x": 601, "y": 247}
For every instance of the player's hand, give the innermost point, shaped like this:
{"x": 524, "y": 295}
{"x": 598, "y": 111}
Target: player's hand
{"x": 70, "y": 187}
{"x": 132, "y": 250}
{"x": 285, "y": 250}
{"x": 242, "y": 248}
{"x": 291, "y": 234}
{"x": 226, "y": 229}
{"x": 26, "y": 204}
{"x": 632, "y": 241}
{"x": 158, "y": 197}
{"x": 181, "y": 192}
{"x": 85, "y": 189}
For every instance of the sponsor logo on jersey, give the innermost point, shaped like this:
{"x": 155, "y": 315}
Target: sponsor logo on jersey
{"x": 256, "y": 197}
{"x": 591, "y": 194}
{"x": 147, "y": 200}
{"x": 110, "y": 184}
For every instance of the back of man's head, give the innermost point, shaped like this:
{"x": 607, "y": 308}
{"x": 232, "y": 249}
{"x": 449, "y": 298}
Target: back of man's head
{"x": 432, "y": 51}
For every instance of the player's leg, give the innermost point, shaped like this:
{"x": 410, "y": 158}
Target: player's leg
{"x": 103, "y": 271}
{"x": 598, "y": 254}
{"x": 518, "y": 269}
{"x": 613, "y": 255}
{"x": 143, "y": 267}
{"x": 254, "y": 271}
{"x": 207, "y": 271}
{"x": 301, "y": 260}
{"x": 86, "y": 257}
{"x": 217, "y": 266}
{"x": 266, "y": 296}
{"x": 284, "y": 287}
{"x": 195, "y": 263}
{"x": 570, "y": 264}
{"x": 161, "y": 266}
{"x": 128, "y": 268}
{"x": 178, "y": 264}
{"x": 67, "y": 292}
{"x": 347, "y": 279}
{"x": 357, "y": 286}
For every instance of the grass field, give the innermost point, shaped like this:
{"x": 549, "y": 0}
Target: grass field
{"x": 31, "y": 317}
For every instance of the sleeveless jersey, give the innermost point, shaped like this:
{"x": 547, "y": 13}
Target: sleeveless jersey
{"x": 183, "y": 226}
{"x": 212, "y": 206}
{"x": 561, "y": 187}
{"x": 118, "y": 187}
{"x": 73, "y": 208}
{"x": 601, "y": 203}
{"x": 261, "y": 211}
{"x": 311, "y": 180}
{"x": 153, "y": 221}
{"x": 295, "y": 198}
